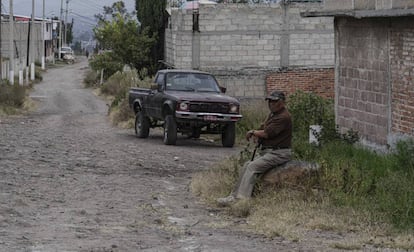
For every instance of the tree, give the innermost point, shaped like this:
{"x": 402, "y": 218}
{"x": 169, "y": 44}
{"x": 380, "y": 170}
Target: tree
{"x": 120, "y": 35}
{"x": 69, "y": 32}
{"x": 152, "y": 16}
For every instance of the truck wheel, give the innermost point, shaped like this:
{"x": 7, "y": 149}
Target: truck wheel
{"x": 228, "y": 136}
{"x": 170, "y": 130}
{"x": 142, "y": 125}
{"x": 195, "y": 133}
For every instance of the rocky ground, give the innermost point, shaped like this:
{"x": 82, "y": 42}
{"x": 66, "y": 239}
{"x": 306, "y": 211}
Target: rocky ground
{"x": 69, "y": 181}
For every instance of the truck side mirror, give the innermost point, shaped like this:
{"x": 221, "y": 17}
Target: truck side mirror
{"x": 223, "y": 89}
{"x": 156, "y": 86}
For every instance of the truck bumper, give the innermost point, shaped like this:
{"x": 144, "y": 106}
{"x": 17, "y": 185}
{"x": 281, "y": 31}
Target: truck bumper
{"x": 208, "y": 117}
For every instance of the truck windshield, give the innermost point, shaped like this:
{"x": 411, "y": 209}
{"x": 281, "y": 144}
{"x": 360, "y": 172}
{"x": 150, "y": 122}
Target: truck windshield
{"x": 191, "y": 82}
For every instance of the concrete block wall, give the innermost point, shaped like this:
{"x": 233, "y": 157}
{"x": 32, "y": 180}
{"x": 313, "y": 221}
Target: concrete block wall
{"x": 331, "y": 5}
{"x": 258, "y": 39}
{"x": 20, "y": 43}
{"x": 362, "y": 87}
{"x": 374, "y": 86}
{"x": 243, "y": 84}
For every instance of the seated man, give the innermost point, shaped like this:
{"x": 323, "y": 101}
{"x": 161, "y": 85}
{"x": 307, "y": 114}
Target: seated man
{"x": 275, "y": 136}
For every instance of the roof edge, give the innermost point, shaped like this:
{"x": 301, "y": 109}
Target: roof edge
{"x": 360, "y": 13}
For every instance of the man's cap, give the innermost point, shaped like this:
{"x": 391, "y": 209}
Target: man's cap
{"x": 275, "y": 96}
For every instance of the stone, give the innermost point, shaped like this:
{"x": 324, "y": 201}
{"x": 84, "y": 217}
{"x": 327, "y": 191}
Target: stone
{"x": 292, "y": 173}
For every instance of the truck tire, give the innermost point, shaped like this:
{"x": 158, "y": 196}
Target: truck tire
{"x": 228, "y": 136}
{"x": 142, "y": 125}
{"x": 195, "y": 133}
{"x": 170, "y": 130}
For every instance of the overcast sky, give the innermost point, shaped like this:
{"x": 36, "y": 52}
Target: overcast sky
{"x": 82, "y": 11}
{"x": 77, "y": 8}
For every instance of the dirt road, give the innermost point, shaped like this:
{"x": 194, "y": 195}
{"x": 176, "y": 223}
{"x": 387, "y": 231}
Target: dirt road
{"x": 71, "y": 182}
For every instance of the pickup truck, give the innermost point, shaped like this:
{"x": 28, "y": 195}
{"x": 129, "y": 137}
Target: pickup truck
{"x": 185, "y": 101}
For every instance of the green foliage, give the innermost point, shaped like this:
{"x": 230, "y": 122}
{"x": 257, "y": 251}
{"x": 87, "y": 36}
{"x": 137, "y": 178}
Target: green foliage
{"x": 69, "y": 32}
{"x": 117, "y": 87}
{"x": 12, "y": 95}
{"x": 310, "y": 109}
{"x": 122, "y": 35}
{"x": 109, "y": 61}
{"x": 254, "y": 113}
{"x": 404, "y": 156}
{"x": 91, "y": 79}
{"x": 350, "y": 176}
{"x": 38, "y": 73}
{"x": 153, "y": 17}
{"x": 119, "y": 84}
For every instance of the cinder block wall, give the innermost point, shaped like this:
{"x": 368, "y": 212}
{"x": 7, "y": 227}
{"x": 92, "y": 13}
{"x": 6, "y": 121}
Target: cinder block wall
{"x": 242, "y": 44}
{"x": 21, "y": 30}
{"x": 374, "y": 86}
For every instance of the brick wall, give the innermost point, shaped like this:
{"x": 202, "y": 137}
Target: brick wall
{"x": 319, "y": 81}
{"x": 402, "y": 75}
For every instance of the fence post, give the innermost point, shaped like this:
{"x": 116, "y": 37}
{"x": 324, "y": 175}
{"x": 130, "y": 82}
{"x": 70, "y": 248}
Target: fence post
{"x": 102, "y": 73}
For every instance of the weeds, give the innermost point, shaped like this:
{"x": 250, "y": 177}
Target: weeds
{"x": 12, "y": 95}
{"x": 357, "y": 189}
{"x": 116, "y": 90}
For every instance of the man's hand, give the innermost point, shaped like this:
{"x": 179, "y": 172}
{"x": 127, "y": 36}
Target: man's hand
{"x": 249, "y": 134}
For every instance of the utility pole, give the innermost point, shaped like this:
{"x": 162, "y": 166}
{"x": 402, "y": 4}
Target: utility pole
{"x": 60, "y": 28}
{"x": 11, "y": 39}
{"x": 66, "y": 22}
{"x": 32, "y": 51}
{"x": 43, "y": 37}
{"x": 1, "y": 59}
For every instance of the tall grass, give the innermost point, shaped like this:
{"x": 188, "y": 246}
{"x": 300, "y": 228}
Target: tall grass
{"x": 116, "y": 89}
{"x": 376, "y": 190}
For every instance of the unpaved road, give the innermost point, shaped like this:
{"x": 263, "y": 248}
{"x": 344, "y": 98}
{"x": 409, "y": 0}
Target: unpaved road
{"x": 69, "y": 181}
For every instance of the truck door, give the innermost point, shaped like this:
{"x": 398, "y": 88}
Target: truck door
{"x": 154, "y": 103}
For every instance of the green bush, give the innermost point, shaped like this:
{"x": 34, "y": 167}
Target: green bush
{"x": 310, "y": 109}
{"x": 12, "y": 95}
{"x": 91, "y": 79}
{"x": 118, "y": 86}
{"x": 107, "y": 61}
{"x": 38, "y": 73}
{"x": 254, "y": 113}
{"x": 350, "y": 176}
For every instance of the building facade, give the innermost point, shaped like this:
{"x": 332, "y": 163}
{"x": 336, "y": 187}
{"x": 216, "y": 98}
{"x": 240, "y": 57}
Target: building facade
{"x": 253, "y": 49}
{"x": 374, "y": 87}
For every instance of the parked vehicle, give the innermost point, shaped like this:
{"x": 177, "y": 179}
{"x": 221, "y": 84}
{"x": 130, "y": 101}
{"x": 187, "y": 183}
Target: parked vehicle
{"x": 69, "y": 58}
{"x": 188, "y": 102}
{"x": 65, "y": 50}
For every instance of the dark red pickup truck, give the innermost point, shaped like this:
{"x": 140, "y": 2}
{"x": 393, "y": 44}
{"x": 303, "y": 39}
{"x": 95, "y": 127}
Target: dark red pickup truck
{"x": 185, "y": 101}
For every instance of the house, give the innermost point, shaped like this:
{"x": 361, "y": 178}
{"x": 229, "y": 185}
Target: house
{"x": 253, "y": 49}
{"x": 374, "y": 68}
{"x": 20, "y": 41}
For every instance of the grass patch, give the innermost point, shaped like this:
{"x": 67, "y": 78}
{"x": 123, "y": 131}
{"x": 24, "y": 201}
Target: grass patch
{"x": 115, "y": 90}
{"x": 357, "y": 191}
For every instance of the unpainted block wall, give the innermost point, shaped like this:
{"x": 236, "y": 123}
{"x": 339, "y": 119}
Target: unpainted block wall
{"x": 20, "y": 32}
{"x": 374, "y": 87}
{"x": 362, "y": 87}
{"x": 243, "y": 43}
